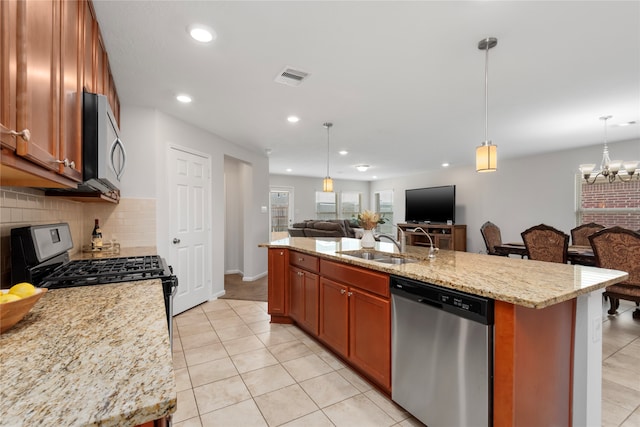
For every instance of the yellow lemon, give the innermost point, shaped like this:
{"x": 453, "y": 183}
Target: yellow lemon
{"x": 23, "y": 289}
{"x": 8, "y": 298}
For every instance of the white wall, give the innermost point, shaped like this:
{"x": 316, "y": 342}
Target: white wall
{"x": 305, "y": 192}
{"x": 523, "y": 192}
{"x": 149, "y": 133}
{"x": 234, "y": 217}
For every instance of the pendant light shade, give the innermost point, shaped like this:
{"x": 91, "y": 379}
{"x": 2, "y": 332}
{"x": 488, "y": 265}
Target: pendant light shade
{"x": 486, "y": 160}
{"x": 327, "y": 182}
{"x": 486, "y": 154}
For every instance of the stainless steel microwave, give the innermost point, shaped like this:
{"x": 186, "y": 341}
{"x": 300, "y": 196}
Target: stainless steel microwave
{"x": 103, "y": 153}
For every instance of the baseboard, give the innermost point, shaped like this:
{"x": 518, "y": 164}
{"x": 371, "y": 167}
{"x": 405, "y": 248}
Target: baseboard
{"x": 218, "y": 295}
{"x": 233, "y": 272}
{"x": 252, "y": 278}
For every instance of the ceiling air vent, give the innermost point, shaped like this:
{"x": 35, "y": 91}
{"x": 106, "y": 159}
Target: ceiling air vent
{"x": 292, "y": 77}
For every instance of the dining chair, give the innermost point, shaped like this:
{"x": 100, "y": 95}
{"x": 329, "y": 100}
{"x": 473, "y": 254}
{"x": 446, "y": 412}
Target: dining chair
{"x": 491, "y": 235}
{"x": 545, "y": 243}
{"x": 580, "y": 234}
{"x": 618, "y": 248}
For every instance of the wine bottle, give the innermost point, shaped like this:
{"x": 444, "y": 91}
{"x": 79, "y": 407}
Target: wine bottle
{"x": 96, "y": 236}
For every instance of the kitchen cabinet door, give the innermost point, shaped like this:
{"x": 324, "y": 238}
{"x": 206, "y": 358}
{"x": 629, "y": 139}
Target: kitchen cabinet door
{"x": 71, "y": 50}
{"x": 296, "y": 294}
{"x": 278, "y": 260}
{"x": 370, "y": 335}
{"x": 310, "y": 317}
{"x": 334, "y": 316}
{"x": 89, "y": 28}
{"x": 8, "y": 70}
{"x": 38, "y": 41}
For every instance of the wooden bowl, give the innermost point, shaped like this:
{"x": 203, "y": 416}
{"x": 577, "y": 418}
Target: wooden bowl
{"x": 13, "y": 312}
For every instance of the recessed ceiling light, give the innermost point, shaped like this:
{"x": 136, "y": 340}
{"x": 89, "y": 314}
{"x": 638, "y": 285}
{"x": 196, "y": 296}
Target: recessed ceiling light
{"x": 343, "y": 152}
{"x": 445, "y": 165}
{"x": 293, "y": 119}
{"x": 374, "y": 177}
{"x": 362, "y": 168}
{"x": 289, "y": 170}
{"x": 201, "y": 33}
{"x": 185, "y": 99}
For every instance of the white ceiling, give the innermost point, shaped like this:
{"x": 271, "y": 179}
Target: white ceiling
{"x": 402, "y": 82}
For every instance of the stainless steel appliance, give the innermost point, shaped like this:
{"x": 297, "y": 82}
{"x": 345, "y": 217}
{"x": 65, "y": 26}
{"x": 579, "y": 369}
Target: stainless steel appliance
{"x": 442, "y": 354}
{"x": 39, "y": 255}
{"x": 103, "y": 154}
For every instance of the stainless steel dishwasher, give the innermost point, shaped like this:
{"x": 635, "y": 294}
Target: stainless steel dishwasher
{"x": 442, "y": 354}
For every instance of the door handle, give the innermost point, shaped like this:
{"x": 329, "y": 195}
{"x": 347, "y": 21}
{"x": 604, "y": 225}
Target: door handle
{"x": 176, "y": 240}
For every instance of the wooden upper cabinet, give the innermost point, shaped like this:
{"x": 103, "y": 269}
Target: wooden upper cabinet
{"x": 90, "y": 28}
{"x": 71, "y": 54}
{"x": 8, "y": 68}
{"x": 38, "y": 40}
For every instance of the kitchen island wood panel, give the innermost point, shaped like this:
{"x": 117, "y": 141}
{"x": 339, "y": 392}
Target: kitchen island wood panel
{"x": 93, "y": 355}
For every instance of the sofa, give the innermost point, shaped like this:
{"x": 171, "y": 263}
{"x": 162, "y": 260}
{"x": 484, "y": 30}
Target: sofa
{"x": 324, "y": 228}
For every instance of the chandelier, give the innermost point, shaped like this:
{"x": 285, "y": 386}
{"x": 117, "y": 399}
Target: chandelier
{"x": 486, "y": 154}
{"x": 609, "y": 169}
{"x": 327, "y": 182}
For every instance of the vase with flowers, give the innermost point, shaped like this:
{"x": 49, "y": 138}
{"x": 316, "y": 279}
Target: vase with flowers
{"x": 369, "y": 220}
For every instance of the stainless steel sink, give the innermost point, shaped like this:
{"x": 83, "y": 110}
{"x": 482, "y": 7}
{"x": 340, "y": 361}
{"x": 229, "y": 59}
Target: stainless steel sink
{"x": 382, "y": 257}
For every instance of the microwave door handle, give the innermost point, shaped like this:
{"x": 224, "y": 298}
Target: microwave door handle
{"x": 118, "y": 143}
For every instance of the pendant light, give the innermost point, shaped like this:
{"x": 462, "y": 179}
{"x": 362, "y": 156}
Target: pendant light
{"x": 327, "y": 182}
{"x": 486, "y": 154}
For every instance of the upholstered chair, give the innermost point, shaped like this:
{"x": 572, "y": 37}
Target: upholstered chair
{"x": 580, "y": 234}
{"x": 619, "y": 249}
{"x": 491, "y": 235}
{"x": 545, "y": 243}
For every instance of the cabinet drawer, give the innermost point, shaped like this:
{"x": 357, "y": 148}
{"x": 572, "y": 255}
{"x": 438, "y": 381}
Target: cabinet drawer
{"x": 371, "y": 281}
{"x": 308, "y": 262}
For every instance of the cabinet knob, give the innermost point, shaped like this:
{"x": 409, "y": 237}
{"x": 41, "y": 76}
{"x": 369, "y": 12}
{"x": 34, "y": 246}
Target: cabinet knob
{"x": 281, "y": 253}
{"x": 300, "y": 259}
{"x": 349, "y": 294}
{"x": 67, "y": 163}
{"x": 24, "y": 134}
{"x": 300, "y": 273}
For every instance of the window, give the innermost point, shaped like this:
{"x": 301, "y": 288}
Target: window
{"x": 608, "y": 204}
{"x": 326, "y": 205}
{"x": 350, "y": 204}
{"x": 384, "y": 205}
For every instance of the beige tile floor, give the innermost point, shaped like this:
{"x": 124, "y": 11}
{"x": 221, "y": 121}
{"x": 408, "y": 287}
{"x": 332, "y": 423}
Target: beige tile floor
{"x": 234, "y": 368}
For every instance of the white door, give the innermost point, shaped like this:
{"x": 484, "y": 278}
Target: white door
{"x": 189, "y": 230}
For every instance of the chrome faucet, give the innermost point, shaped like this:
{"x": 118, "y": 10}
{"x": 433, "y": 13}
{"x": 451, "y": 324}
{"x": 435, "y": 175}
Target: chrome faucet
{"x": 432, "y": 249}
{"x": 401, "y": 243}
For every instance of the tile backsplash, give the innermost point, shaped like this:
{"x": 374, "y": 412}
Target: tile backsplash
{"x": 132, "y": 222}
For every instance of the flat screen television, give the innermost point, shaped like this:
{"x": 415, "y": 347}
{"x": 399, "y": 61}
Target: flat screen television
{"x": 435, "y": 205}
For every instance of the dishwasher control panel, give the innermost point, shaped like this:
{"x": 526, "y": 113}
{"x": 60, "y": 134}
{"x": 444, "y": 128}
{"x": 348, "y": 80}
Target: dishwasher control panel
{"x": 472, "y": 307}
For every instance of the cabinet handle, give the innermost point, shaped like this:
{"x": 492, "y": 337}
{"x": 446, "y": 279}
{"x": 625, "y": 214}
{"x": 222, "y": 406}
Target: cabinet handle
{"x": 349, "y": 294}
{"x": 281, "y": 253}
{"x": 342, "y": 291}
{"x": 300, "y": 259}
{"x": 300, "y": 273}
{"x": 25, "y": 134}
{"x": 67, "y": 163}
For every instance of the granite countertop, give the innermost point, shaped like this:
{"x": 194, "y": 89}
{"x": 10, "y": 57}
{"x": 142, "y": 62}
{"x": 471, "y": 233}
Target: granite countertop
{"x": 93, "y": 355}
{"x": 533, "y": 284}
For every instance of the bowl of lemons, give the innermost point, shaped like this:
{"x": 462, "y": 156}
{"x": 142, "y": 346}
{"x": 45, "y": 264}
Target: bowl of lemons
{"x": 16, "y": 302}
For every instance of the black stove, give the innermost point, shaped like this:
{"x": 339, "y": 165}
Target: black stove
{"x": 106, "y": 270}
{"x": 39, "y": 255}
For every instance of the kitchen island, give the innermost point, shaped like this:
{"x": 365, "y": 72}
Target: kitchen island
{"x": 93, "y": 355}
{"x": 547, "y": 340}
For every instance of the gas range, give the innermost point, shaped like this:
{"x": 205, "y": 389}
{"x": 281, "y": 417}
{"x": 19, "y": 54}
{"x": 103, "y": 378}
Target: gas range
{"x": 39, "y": 255}
{"x": 106, "y": 270}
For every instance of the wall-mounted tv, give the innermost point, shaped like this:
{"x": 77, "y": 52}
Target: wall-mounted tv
{"x": 431, "y": 205}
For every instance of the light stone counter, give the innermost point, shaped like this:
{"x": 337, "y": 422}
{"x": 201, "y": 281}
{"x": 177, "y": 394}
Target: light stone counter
{"x": 523, "y": 282}
{"x": 94, "y": 355}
